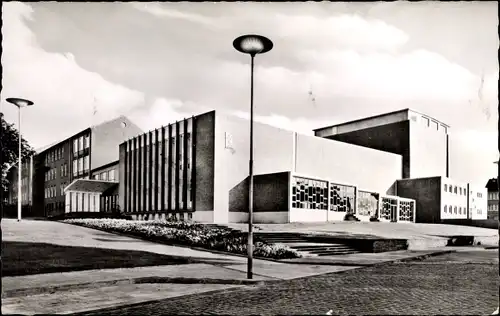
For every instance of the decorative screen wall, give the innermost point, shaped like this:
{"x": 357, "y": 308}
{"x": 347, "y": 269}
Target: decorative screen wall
{"x": 341, "y": 198}
{"x": 406, "y": 209}
{"x": 309, "y": 194}
{"x": 367, "y": 203}
{"x": 389, "y": 206}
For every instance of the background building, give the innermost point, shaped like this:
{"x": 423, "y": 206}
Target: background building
{"x": 492, "y": 188}
{"x": 439, "y": 199}
{"x": 54, "y": 167}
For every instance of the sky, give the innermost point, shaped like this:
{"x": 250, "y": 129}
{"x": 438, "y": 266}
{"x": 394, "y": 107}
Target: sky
{"x": 84, "y": 63}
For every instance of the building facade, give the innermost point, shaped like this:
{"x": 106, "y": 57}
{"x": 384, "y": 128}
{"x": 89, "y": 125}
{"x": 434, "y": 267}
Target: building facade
{"x": 55, "y": 167}
{"x": 492, "y": 188}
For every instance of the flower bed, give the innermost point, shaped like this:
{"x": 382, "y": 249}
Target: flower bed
{"x": 189, "y": 234}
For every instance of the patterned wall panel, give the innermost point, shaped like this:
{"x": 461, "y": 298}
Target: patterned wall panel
{"x": 342, "y": 198}
{"x": 406, "y": 211}
{"x": 367, "y": 203}
{"x": 389, "y": 206}
{"x": 309, "y": 194}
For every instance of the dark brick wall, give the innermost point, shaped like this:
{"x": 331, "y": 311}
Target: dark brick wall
{"x": 427, "y": 193}
{"x": 204, "y": 161}
{"x": 393, "y": 138}
{"x": 270, "y": 194}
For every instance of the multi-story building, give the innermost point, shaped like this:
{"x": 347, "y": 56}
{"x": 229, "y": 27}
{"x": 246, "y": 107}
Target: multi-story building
{"x": 78, "y": 157}
{"x": 492, "y": 188}
{"x": 26, "y": 187}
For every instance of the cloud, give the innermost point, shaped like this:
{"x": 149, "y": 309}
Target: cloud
{"x": 161, "y": 10}
{"x": 63, "y": 92}
{"x": 346, "y": 31}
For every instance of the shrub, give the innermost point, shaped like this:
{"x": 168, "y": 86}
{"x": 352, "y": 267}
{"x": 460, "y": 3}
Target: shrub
{"x": 190, "y": 234}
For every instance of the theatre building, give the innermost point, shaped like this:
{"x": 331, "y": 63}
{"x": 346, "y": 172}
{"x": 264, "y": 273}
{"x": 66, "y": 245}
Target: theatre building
{"x": 197, "y": 169}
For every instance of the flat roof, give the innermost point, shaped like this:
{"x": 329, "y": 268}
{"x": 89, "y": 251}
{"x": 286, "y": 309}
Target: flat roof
{"x": 89, "y": 185}
{"x": 380, "y": 115}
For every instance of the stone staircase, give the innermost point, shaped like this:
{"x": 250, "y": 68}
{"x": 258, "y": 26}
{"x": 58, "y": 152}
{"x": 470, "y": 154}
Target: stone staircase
{"x": 306, "y": 248}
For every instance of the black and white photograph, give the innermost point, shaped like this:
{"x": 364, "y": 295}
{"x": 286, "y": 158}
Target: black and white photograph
{"x": 250, "y": 158}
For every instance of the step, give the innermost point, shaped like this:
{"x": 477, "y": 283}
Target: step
{"x": 314, "y": 246}
{"x": 336, "y": 253}
{"x": 319, "y": 249}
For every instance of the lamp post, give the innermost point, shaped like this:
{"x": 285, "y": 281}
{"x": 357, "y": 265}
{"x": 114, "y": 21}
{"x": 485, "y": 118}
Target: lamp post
{"x": 20, "y": 103}
{"x": 252, "y": 45}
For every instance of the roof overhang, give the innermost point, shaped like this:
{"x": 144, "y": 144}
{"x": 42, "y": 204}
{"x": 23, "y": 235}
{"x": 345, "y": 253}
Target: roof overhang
{"x": 94, "y": 186}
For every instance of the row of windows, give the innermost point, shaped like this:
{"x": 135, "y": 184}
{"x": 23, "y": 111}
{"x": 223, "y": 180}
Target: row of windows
{"x": 455, "y": 189}
{"x": 81, "y": 165}
{"x": 54, "y": 155}
{"x": 493, "y": 207}
{"x": 81, "y": 143}
{"x": 52, "y": 173}
{"x": 449, "y": 209}
{"x": 492, "y": 195}
{"x": 106, "y": 175}
{"x": 54, "y": 191}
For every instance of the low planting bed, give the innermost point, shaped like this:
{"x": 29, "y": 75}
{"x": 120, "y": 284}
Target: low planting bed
{"x": 189, "y": 234}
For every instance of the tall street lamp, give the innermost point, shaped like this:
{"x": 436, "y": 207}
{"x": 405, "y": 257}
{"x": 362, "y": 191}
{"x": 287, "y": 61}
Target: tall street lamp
{"x": 252, "y": 45}
{"x": 20, "y": 103}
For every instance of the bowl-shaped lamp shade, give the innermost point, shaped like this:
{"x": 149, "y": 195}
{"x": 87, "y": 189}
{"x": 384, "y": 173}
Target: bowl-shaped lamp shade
{"x": 19, "y": 102}
{"x": 253, "y": 44}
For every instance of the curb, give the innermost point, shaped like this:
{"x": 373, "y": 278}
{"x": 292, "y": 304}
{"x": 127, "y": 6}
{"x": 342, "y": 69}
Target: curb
{"x": 359, "y": 264}
{"x": 140, "y": 280}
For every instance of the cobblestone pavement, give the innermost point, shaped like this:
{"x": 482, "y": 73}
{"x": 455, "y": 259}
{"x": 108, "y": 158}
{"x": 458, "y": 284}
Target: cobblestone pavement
{"x": 455, "y": 286}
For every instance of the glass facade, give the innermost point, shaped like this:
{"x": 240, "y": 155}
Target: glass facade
{"x": 388, "y": 208}
{"x": 309, "y": 194}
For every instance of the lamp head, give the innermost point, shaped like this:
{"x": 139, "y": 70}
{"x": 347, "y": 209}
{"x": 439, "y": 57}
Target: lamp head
{"x": 252, "y": 44}
{"x": 20, "y": 102}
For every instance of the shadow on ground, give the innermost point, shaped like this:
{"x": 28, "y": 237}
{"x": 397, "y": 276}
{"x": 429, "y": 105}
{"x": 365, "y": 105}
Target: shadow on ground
{"x": 27, "y": 258}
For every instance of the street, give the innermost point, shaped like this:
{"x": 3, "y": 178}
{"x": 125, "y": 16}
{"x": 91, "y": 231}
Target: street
{"x": 462, "y": 283}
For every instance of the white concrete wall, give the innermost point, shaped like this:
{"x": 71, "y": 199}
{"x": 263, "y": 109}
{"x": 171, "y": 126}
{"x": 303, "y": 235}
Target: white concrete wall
{"x": 272, "y": 153}
{"x": 427, "y": 149}
{"x": 343, "y": 163}
{"x": 453, "y": 199}
{"x": 478, "y": 202}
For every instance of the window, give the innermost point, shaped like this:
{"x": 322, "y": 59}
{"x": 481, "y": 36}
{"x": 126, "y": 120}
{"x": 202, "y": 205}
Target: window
{"x": 309, "y": 194}
{"x": 87, "y": 141}
{"x": 80, "y": 143}
{"x": 367, "y": 203}
{"x": 455, "y": 210}
{"x": 86, "y": 163}
{"x": 460, "y": 191}
{"x": 111, "y": 175}
{"x": 445, "y": 208}
{"x": 445, "y": 188}
{"x": 104, "y": 176}
{"x": 455, "y": 190}
{"x": 75, "y": 167}
{"x": 95, "y": 177}
{"x": 75, "y": 145}
{"x": 80, "y": 165}
{"x": 341, "y": 198}
{"x": 460, "y": 210}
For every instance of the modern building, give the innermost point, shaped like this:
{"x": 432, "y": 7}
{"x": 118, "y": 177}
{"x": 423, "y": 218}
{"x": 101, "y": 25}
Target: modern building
{"x": 421, "y": 140}
{"x": 198, "y": 169}
{"x": 492, "y": 188}
{"x": 87, "y": 154}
